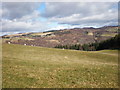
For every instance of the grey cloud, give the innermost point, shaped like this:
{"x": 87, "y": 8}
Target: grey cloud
{"x": 12, "y": 26}
{"x": 81, "y": 13}
{"x": 12, "y": 10}
{"x": 22, "y": 17}
{"x": 63, "y": 9}
{"x": 55, "y": 9}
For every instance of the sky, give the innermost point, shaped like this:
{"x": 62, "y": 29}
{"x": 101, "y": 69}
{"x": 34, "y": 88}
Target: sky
{"x": 21, "y": 17}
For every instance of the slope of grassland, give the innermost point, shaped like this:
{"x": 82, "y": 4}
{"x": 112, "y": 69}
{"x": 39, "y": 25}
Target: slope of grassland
{"x": 37, "y": 67}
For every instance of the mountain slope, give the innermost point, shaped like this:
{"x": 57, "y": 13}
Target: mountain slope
{"x": 63, "y": 37}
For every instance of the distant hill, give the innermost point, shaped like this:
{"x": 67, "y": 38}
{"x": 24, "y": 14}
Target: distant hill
{"x": 112, "y": 43}
{"x": 63, "y": 37}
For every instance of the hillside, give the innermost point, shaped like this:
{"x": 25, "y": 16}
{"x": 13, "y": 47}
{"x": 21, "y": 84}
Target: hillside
{"x": 38, "y": 67}
{"x": 111, "y": 43}
{"x": 63, "y": 37}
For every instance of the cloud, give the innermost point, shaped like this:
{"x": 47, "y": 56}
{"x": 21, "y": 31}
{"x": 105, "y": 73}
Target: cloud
{"x": 12, "y": 10}
{"x": 74, "y": 19}
{"x": 85, "y": 13}
{"x": 21, "y": 17}
{"x": 22, "y": 26}
{"x": 63, "y": 9}
{"x": 28, "y": 17}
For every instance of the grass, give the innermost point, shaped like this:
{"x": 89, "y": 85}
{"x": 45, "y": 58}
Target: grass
{"x": 113, "y": 29}
{"x": 16, "y": 39}
{"x": 109, "y": 34}
{"x": 34, "y": 34}
{"x": 37, "y": 67}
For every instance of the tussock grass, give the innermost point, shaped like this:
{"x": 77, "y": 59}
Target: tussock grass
{"x": 37, "y": 67}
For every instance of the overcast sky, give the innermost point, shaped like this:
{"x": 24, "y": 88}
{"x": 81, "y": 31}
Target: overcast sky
{"x": 37, "y": 17}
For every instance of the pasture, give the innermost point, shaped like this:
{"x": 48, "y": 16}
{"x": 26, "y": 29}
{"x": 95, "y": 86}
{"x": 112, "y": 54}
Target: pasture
{"x": 39, "y": 67}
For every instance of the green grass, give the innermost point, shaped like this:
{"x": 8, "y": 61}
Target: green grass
{"x": 37, "y": 67}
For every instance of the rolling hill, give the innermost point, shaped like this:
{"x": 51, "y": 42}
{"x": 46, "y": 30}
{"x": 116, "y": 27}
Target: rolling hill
{"x": 63, "y": 37}
{"x": 38, "y": 67}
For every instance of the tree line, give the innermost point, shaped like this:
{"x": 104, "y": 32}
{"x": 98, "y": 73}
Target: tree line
{"x": 112, "y": 43}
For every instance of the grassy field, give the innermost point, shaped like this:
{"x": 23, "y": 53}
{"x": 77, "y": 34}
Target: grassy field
{"x": 37, "y": 67}
{"x": 109, "y": 34}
